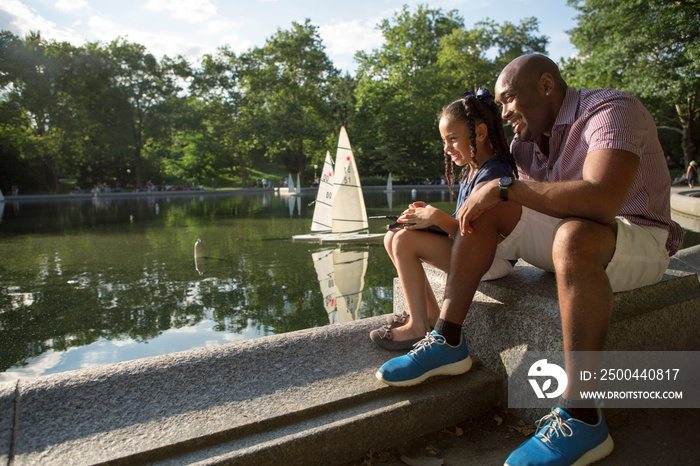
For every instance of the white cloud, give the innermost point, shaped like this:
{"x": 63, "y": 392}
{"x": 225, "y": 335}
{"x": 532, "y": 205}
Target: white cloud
{"x": 158, "y": 44}
{"x": 343, "y": 38}
{"x": 219, "y": 25}
{"x": 69, "y": 5}
{"x": 346, "y": 37}
{"x": 192, "y": 11}
{"x": 34, "y": 367}
{"x": 235, "y": 43}
{"x": 24, "y": 20}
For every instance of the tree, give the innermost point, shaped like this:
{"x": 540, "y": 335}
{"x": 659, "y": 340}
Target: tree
{"x": 228, "y": 113}
{"x": 465, "y": 57}
{"x": 428, "y": 60}
{"x": 144, "y": 83}
{"x": 286, "y": 83}
{"x": 650, "y": 48}
{"x": 34, "y": 79}
{"x": 399, "y": 92}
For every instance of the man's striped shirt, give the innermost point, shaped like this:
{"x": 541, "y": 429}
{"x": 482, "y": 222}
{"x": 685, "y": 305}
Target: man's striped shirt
{"x": 593, "y": 119}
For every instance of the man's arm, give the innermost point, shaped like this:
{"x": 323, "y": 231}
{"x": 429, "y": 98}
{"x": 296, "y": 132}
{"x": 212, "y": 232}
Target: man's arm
{"x": 608, "y": 175}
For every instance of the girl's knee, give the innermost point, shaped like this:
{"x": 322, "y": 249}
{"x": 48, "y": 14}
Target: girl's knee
{"x": 390, "y": 242}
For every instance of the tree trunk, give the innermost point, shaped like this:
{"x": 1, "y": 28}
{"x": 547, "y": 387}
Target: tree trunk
{"x": 244, "y": 172}
{"x": 54, "y": 173}
{"x": 687, "y": 121}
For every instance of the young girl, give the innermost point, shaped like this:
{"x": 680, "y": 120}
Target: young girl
{"x": 473, "y": 138}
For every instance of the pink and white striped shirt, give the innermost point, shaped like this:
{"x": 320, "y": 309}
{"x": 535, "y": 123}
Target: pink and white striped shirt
{"x": 592, "y": 119}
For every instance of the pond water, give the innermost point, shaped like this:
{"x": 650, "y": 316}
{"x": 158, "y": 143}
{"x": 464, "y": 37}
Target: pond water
{"x": 85, "y": 282}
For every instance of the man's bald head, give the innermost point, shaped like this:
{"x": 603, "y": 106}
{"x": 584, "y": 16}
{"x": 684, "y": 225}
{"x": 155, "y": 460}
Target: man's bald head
{"x": 526, "y": 71}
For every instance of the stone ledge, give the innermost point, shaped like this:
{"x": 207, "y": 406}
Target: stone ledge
{"x": 686, "y": 201}
{"x": 285, "y": 396}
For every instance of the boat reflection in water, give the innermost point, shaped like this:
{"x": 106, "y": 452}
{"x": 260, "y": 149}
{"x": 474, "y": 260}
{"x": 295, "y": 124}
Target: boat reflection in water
{"x": 341, "y": 276}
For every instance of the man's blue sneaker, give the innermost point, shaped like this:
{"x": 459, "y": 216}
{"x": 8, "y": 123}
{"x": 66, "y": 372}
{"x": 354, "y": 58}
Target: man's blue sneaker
{"x": 430, "y": 356}
{"x": 562, "y": 440}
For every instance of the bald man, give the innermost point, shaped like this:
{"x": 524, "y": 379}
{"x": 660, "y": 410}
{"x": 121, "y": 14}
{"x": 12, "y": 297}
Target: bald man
{"x": 591, "y": 205}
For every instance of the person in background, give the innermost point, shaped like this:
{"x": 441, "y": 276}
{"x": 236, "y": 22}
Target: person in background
{"x": 692, "y": 173}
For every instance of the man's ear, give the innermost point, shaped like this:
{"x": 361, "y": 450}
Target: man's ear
{"x": 546, "y": 83}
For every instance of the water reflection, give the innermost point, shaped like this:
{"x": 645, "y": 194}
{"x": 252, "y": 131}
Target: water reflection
{"x": 341, "y": 277}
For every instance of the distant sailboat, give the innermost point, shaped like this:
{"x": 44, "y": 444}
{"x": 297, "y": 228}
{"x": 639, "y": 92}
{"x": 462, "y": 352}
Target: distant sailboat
{"x": 341, "y": 277}
{"x": 290, "y": 190}
{"x": 389, "y": 193}
{"x": 348, "y": 214}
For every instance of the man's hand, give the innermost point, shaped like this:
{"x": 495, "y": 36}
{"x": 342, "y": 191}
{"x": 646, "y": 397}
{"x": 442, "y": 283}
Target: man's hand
{"x": 485, "y": 197}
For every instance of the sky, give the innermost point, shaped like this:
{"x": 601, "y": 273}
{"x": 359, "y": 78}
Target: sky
{"x": 193, "y": 28}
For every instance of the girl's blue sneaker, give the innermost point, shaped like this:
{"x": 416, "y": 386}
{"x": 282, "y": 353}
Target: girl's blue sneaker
{"x": 430, "y": 356}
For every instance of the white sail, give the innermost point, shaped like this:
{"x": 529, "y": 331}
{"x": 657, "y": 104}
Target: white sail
{"x": 389, "y": 184}
{"x": 350, "y": 268}
{"x": 323, "y": 208}
{"x": 2, "y": 198}
{"x": 349, "y": 215}
{"x": 297, "y": 190}
{"x": 290, "y": 184}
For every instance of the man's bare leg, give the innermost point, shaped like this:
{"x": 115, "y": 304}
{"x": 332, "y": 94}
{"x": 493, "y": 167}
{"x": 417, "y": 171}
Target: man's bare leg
{"x": 581, "y": 252}
{"x": 472, "y": 256}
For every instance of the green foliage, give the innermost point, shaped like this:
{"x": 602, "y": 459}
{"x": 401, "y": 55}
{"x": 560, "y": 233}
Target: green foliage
{"x": 428, "y": 60}
{"x": 114, "y": 113}
{"x": 650, "y": 48}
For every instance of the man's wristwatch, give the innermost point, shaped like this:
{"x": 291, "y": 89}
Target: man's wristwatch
{"x": 503, "y": 185}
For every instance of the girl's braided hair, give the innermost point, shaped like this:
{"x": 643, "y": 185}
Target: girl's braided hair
{"x": 473, "y": 108}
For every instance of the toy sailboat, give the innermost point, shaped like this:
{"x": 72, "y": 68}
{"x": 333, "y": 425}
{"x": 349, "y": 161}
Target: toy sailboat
{"x": 340, "y": 215}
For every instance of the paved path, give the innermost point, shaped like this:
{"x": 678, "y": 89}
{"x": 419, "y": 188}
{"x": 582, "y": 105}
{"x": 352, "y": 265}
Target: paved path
{"x": 642, "y": 437}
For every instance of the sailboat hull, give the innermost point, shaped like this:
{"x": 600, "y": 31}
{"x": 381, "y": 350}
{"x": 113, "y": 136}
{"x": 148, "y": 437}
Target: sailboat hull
{"x": 339, "y": 238}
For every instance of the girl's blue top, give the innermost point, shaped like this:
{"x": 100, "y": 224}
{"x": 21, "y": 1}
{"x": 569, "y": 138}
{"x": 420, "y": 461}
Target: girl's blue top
{"x": 493, "y": 168}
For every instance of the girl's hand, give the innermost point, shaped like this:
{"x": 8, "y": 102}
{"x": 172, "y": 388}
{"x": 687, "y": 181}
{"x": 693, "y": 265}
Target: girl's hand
{"x": 419, "y": 215}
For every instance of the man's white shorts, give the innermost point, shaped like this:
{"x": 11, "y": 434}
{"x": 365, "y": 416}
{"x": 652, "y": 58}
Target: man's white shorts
{"x": 640, "y": 251}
